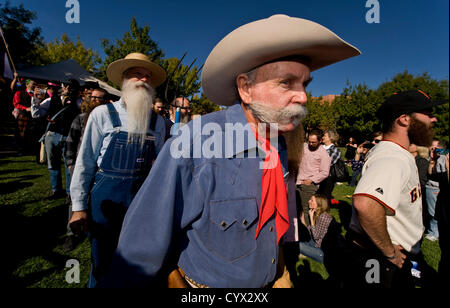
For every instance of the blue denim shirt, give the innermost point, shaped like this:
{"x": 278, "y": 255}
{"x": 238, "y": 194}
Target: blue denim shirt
{"x": 202, "y": 212}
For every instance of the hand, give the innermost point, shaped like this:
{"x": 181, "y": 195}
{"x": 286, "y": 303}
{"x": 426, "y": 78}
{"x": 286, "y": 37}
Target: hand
{"x": 399, "y": 256}
{"x": 360, "y": 149}
{"x": 311, "y": 215}
{"x": 28, "y": 109}
{"x": 307, "y": 182}
{"x": 446, "y": 162}
{"x": 434, "y": 155}
{"x": 51, "y": 121}
{"x": 78, "y": 223}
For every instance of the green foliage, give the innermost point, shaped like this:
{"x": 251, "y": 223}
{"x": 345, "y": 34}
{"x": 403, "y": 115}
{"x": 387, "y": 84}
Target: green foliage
{"x": 320, "y": 114}
{"x": 66, "y": 49}
{"x": 182, "y": 82}
{"x": 203, "y": 105}
{"x": 135, "y": 40}
{"x": 353, "y": 113}
{"x": 22, "y": 41}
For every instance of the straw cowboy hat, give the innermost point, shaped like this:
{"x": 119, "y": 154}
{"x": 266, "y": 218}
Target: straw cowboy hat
{"x": 117, "y": 68}
{"x": 262, "y": 41}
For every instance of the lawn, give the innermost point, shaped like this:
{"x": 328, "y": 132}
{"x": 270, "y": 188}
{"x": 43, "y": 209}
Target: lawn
{"x": 33, "y": 231}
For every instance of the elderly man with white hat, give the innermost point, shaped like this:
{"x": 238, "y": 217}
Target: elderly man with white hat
{"x": 120, "y": 143}
{"x": 220, "y": 219}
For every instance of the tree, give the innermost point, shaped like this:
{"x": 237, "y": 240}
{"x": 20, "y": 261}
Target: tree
{"x": 320, "y": 114}
{"x": 203, "y": 105}
{"x": 355, "y": 111}
{"x": 66, "y": 49}
{"x": 22, "y": 40}
{"x": 436, "y": 89}
{"x": 183, "y": 81}
{"x": 136, "y": 40}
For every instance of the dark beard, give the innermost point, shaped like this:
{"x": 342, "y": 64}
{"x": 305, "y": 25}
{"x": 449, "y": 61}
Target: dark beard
{"x": 420, "y": 134}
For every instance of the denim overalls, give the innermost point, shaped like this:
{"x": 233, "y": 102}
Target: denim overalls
{"x": 122, "y": 171}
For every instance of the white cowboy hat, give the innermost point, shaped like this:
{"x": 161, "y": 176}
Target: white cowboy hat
{"x": 262, "y": 41}
{"x": 117, "y": 68}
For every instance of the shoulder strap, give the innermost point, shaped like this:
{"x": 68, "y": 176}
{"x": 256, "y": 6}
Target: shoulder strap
{"x": 114, "y": 115}
{"x": 153, "y": 119}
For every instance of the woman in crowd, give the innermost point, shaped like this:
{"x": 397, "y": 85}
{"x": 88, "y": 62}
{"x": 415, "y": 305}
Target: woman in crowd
{"x": 320, "y": 217}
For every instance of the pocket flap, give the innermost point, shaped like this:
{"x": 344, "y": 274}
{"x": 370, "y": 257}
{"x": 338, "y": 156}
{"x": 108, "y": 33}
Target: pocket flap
{"x": 225, "y": 213}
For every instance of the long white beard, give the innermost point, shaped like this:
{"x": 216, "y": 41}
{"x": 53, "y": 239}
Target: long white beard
{"x": 138, "y": 99}
{"x": 291, "y": 114}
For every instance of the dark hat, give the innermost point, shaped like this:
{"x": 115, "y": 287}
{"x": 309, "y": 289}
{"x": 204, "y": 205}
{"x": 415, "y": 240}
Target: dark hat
{"x": 405, "y": 102}
{"x": 90, "y": 85}
{"x": 73, "y": 83}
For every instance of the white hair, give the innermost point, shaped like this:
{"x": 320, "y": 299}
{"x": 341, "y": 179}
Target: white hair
{"x": 138, "y": 99}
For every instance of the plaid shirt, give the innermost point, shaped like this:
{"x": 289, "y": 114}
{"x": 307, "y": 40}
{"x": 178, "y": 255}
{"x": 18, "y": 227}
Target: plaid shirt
{"x": 320, "y": 228}
{"x": 334, "y": 153}
{"x": 358, "y": 164}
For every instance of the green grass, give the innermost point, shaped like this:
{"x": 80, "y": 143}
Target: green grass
{"x": 33, "y": 231}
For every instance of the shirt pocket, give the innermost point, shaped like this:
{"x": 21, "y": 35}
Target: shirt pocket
{"x": 232, "y": 228}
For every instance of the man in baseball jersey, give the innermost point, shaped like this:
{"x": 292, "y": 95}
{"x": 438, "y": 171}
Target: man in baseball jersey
{"x": 386, "y": 226}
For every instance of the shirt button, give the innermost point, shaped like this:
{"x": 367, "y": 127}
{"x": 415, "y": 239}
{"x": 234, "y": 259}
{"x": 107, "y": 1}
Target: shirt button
{"x": 273, "y": 261}
{"x": 271, "y": 229}
{"x": 245, "y": 222}
{"x": 223, "y": 224}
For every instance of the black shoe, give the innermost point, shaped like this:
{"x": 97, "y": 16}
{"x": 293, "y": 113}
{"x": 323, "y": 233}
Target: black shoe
{"x": 70, "y": 243}
{"x": 56, "y": 195}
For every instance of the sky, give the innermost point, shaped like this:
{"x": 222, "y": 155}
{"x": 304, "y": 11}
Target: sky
{"x": 411, "y": 35}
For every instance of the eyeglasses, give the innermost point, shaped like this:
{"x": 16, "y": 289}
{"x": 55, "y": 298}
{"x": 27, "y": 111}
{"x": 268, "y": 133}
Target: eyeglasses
{"x": 99, "y": 98}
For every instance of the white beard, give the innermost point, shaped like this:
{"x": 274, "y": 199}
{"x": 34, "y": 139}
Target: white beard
{"x": 138, "y": 99}
{"x": 278, "y": 119}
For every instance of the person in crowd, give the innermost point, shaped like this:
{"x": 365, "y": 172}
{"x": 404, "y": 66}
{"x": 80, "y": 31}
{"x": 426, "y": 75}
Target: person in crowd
{"x": 386, "y": 225}
{"x": 320, "y": 218}
{"x": 350, "y": 147}
{"x": 357, "y": 162}
{"x": 158, "y": 107}
{"x": 98, "y": 97}
{"x": 86, "y": 92}
{"x": 377, "y": 137}
{"x": 442, "y": 213}
{"x": 314, "y": 168}
{"x": 421, "y": 155}
{"x": 120, "y": 142}
{"x": 431, "y": 192}
{"x": 59, "y": 119}
{"x": 330, "y": 137}
{"x": 221, "y": 217}
{"x": 22, "y": 105}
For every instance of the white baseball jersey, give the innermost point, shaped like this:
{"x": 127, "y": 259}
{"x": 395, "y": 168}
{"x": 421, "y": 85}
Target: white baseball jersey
{"x": 390, "y": 176}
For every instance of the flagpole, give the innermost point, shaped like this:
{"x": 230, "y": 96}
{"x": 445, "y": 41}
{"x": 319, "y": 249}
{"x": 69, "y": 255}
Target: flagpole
{"x": 7, "y": 50}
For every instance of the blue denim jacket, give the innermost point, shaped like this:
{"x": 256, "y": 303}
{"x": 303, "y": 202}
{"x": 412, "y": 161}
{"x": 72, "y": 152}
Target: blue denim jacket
{"x": 202, "y": 213}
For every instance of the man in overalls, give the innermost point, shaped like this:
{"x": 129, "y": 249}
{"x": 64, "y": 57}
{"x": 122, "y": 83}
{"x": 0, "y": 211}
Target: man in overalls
{"x": 120, "y": 143}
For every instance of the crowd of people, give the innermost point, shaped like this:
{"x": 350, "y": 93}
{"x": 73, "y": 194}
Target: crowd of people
{"x": 155, "y": 218}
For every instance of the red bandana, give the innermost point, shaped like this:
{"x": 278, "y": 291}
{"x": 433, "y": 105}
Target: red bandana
{"x": 273, "y": 196}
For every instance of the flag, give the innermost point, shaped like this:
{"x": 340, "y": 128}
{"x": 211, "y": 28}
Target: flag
{"x": 5, "y": 64}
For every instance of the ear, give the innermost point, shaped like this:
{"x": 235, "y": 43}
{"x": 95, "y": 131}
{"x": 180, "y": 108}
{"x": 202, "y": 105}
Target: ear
{"x": 404, "y": 120}
{"x": 244, "y": 88}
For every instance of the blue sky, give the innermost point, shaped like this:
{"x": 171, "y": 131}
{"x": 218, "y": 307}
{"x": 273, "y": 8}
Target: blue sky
{"x": 412, "y": 35}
